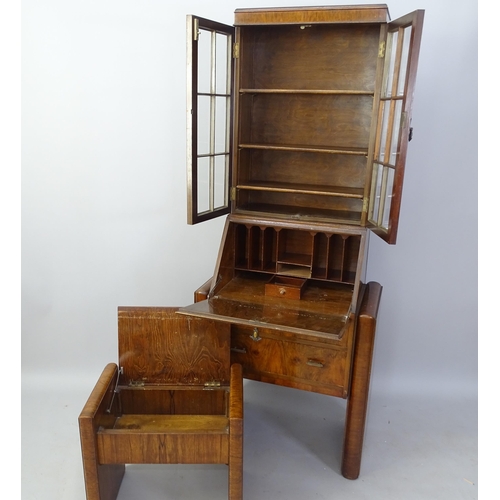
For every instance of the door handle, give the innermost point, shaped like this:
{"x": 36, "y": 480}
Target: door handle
{"x": 239, "y": 350}
{"x": 316, "y": 364}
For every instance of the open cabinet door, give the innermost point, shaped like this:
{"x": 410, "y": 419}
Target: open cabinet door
{"x": 209, "y": 112}
{"x": 393, "y": 127}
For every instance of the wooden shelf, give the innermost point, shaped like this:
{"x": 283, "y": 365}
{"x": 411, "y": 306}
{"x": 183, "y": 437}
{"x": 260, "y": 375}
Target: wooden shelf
{"x": 345, "y": 192}
{"x": 291, "y": 213}
{"x": 297, "y": 270}
{"x": 307, "y": 148}
{"x": 307, "y": 91}
{"x": 297, "y": 259}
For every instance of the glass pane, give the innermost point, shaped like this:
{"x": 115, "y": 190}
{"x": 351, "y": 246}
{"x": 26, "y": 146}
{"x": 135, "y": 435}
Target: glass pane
{"x": 203, "y": 185}
{"x": 221, "y": 63}
{"x": 220, "y": 181}
{"x": 384, "y": 128}
{"x": 396, "y": 130}
{"x": 203, "y": 125}
{"x": 392, "y": 41}
{"x": 377, "y": 179}
{"x": 404, "y": 60}
{"x": 221, "y": 143}
{"x": 388, "y": 198}
{"x": 204, "y": 60}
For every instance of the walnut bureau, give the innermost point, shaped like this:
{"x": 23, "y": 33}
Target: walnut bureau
{"x": 298, "y": 124}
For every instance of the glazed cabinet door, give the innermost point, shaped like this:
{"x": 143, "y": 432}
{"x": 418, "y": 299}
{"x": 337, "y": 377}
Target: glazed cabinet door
{"x": 209, "y": 112}
{"x": 401, "y": 48}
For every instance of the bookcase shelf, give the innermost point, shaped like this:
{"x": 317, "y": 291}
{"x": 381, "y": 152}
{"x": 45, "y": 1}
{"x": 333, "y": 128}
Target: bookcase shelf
{"x": 345, "y": 192}
{"x": 307, "y": 91}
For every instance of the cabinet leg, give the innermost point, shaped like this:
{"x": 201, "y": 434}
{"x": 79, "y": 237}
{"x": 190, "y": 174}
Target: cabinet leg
{"x": 357, "y": 402}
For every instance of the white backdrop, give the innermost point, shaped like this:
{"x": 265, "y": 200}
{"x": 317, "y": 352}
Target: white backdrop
{"x": 104, "y": 203}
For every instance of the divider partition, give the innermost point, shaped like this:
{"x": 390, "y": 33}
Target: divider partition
{"x": 300, "y": 253}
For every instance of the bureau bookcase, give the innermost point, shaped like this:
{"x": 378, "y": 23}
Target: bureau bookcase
{"x": 298, "y": 124}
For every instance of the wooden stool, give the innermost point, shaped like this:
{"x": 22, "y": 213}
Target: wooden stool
{"x": 172, "y": 399}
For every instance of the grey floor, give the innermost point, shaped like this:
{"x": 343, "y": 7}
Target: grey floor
{"x": 415, "y": 448}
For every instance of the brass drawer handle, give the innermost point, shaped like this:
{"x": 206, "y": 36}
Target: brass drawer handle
{"x": 240, "y": 350}
{"x": 316, "y": 364}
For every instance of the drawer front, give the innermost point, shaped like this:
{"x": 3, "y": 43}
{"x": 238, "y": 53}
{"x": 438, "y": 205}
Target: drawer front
{"x": 291, "y": 363}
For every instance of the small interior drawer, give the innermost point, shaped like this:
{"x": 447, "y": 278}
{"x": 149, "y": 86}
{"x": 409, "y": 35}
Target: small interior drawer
{"x": 285, "y": 287}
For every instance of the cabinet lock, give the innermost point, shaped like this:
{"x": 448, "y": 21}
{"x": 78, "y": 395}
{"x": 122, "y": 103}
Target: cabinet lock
{"x": 255, "y": 335}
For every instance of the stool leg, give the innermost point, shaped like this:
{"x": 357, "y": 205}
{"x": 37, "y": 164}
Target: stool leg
{"x": 102, "y": 482}
{"x": 357, "y": 402}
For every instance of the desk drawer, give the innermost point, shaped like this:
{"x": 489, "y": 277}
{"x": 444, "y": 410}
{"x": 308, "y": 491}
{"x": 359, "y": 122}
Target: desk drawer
{"x": 317, "y": 368}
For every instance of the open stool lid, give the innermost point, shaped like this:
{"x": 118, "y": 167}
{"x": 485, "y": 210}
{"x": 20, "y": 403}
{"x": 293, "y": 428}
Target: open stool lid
{"x": 157, "y": 346}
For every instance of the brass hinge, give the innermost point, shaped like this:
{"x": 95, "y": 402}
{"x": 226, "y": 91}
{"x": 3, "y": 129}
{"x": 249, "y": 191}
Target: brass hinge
{"x": 196, "y": 29}
{"x": 212, "y": 385}
{"x": 346, "y": 317}
{"x": 404, "y": 119}
{"x": 136, "y": 383}
{"x": 236, "y": 50}
{"x": 381, "y": 49}
{"x": 365, "y": 204}
{"x": 232, "y": 194}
